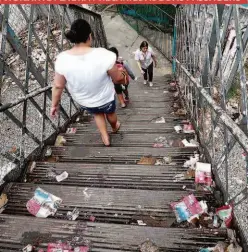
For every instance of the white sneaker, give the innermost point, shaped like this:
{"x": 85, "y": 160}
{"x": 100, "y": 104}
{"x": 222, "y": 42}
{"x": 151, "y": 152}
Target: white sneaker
{"x": 151, "y": 84}
{"x": 145, "y": 82}
{"x": 136, "y": 78}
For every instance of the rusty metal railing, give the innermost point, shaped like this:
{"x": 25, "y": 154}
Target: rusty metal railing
{"x": 159, "y": 36}
{"x": 31, "y": 37}
{"x": 211, "y": 49}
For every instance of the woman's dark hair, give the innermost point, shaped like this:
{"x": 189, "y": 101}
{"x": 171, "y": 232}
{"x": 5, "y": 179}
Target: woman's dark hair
{"x": 79, "y": 32}
{"x": 114, "y": 50}
{"x": 143, "y": 44}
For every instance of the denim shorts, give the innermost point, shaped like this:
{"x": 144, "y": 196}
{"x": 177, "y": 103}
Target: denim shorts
{"x": 108, "y": 108}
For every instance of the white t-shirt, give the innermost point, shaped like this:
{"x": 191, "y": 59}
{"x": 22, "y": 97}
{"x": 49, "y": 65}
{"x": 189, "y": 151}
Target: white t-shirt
{"x": 86, "y": 76}
{"x": 144, "y": 58}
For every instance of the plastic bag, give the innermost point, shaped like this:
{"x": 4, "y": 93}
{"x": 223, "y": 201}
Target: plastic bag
{"x": 43, "y": 204}
{"x": 225, "y": 213}
{"x": 64, "y": 247}
{"x": 186, "y": 208}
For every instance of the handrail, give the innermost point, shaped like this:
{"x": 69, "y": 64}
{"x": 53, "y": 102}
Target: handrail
{"x": 33, "y": 123}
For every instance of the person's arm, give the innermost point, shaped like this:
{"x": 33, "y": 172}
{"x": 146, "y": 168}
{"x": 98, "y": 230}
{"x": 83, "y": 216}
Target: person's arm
{"x": 57, "y": 90}
{"x": 155, "y": 60}
{"x": 140, "y": 68}
{"x": 138, "y": 61}
{"x": 129, "y": 71}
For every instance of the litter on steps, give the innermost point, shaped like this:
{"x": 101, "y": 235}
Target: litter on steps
{"x": 186, "y": 208}
{"x": 73, "y": 215}
{"x": 191, "y": 143}
{"x": 71, "y": 130}
{"x": 64, "y": 247}
{"x": 43, "y": 204}
{"x": 60, "y": 141}
{"x": 191, "y": 163}
{"x": 160, "y": 120}
{"x": 178, "y": 129}
{"x": 148, "y": 160}
{"x": 201, "y": 214}
{"x": 188, "y": 128}
{"x": 203, "y": 173}
{"x": 223, "y": 247}
{"x": 64, "y": 175}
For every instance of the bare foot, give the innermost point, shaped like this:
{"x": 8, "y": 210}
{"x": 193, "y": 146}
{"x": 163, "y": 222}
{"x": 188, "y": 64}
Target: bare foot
{"x": 106, "y": 141}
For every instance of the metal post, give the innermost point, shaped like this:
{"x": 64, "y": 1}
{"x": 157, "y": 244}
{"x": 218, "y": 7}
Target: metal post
{"x": 3, "y": 46}
{"x": 26, "y": 85}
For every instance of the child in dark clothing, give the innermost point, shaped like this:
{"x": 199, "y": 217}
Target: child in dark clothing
{"x": 120, "y": 89}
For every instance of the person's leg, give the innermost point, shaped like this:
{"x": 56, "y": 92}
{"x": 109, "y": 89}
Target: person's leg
{"x": 112, "y": 117}
{"x": 118, "y": 90}
{"x": 150, "y": 73}
{"x": 102, "y": 127}
{"x": 145, "y": 75}
{"x": 121, "y": 100}
{"x": 113, "y": 121}
{"x": 125, "y": 91}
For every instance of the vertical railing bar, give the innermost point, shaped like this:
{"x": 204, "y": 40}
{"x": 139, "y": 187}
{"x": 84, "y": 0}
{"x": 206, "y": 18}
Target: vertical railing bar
{"x": 26, "y": 85}
{"x": 45, "y": 81}
{"x": 191, "y": 40}
{"x": 211, "y": 133}
{"x": 243, "y": 86}
{"x": 19, "y": 84}
{"x": 62, "y": 46}
{"x": 3, "y": 46}
{"x": 52, "y": 35}
{"x": 69, "y": 20}
{"x": 235, "y": 65}
{"x": 35, "y": 34}
{"x": 178, "y": 38}
{"x": 189, "y": 45}
{"x": 193, "y": 28}
{"x": 68, "y": 16}
{"x": 63, "y": 28}
{"x": 185, "y": 44}
{"x": 181, "y": 41}
{"x": 223, "y": 105}
{"x": 197, "y": 13}
{"x": 225, "y": 26}
{"x": 187, "y": 84}
{"x": 49, "y": 33}
{"x": 57, "y": 16}
{"x": 198, "y": 38}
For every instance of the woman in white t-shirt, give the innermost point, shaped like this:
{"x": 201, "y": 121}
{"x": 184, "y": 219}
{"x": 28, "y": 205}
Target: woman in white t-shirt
{"x": 145, "y": 58}
{"x": 88, "y": 73}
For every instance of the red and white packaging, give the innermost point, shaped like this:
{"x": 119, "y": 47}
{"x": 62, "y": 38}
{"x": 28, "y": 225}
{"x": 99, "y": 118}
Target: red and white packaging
{"x": 203, "y": 174}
